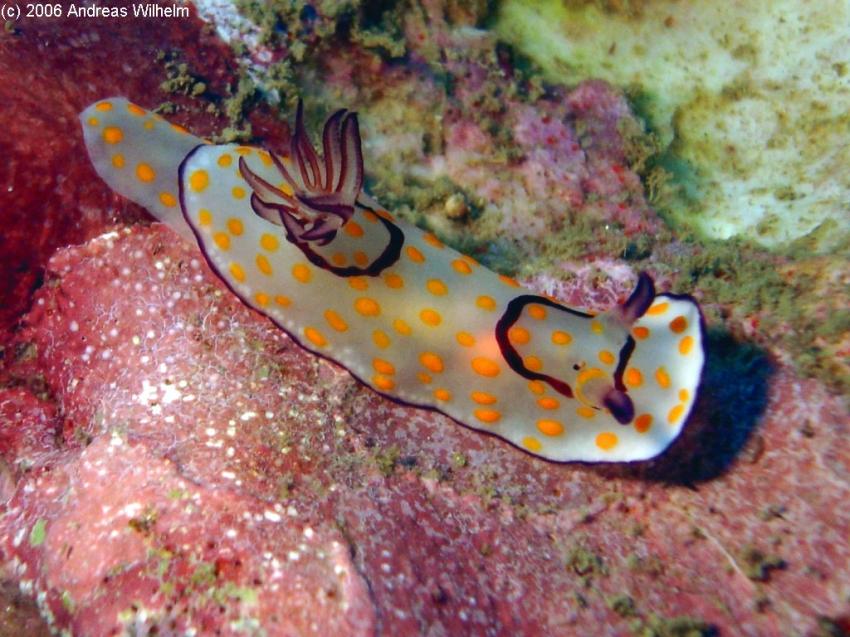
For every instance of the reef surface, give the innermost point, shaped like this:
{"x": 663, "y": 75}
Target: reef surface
{"x": 172, "y": 461}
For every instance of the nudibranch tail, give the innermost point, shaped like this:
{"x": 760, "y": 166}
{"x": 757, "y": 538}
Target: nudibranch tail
{"x": 138, "y": 154}
{"x": 297, "y": 240}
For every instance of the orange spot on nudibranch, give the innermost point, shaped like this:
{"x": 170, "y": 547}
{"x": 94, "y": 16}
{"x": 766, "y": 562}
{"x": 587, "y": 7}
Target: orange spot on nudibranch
{"x": 533, "y": 363}
{"x": 606, "y": 357}
{"x": 485, "y": 366}
{"x": 269, "y": 242}
{"x": 536, "y": 387}
{"x": 402, "y": 327}
{"x": 224, "y": 160}
{"x": 337, "y": 322}
{"x": 135, "y": 110}
{"x": 461, "y": 267}
{"x": 430, "y": 317}
{"x": 606, "y": 441}
{"x": 550, "y": 427}
{"x": 442, "y": 394}
{"x": 436, "y": 287}
{"x": 641, "y": 332}
{"x": 465, "y": 338}
{"x": 508, "y": 281}
{"x": 204, "y": 217}
{"x": 633, "y": 377}
{"x": 561, "y": 338}
{"x": 235, "y": 226}
{"x": 658, "y": 308}
{"x": 383, "y": 367}
{"x": 679, "y": 324}
{"x": 519, "y": 335}
{"x": 167, "y": 199}
{"x": 685, "y": 345}
{"x": 532, "y": 444}
{"x": 643, "y": 423}
{"x": 586, "y": 412}
{"x": 315, "y": 336}
{"x": 382, "y": 382}
{"x": 431, "y": 240}
{"x": 393, "y": 280}
{"x": 353, "y": 229}
{"x": 145, "y": 173}
{"x": 118, "y": 160}
{"x": 366, "y": 306}
{"x": 199, "y": 180}
{"x": 675, "y": 414}
{"x": 380, "y": 339}
{"x": 662, "y": 378}
{"x": 486, "y": 302}
{"x": 104, "y": 106}
{"x": 548, "y": 403}
{"x": 238, "y": 272}
{"x": 431, "y": 361}
{"x": 537, "y": 312}
{"x": 415, "y": 255}
{"x": 222, "y": 240}
{"x": 483, "y": 398}
{"x": 358, "y": 283}
{"x": 302, "y": 273}
{"x": 489, "y": 416}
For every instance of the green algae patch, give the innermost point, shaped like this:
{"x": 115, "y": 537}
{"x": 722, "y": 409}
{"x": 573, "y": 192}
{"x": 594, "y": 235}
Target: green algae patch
{"x": 758, "y": 565}
{"x": 308, "y": 32}
{"x": 38, "y": 532}
{"x": 791, "y": 305}
{"x": 585, "y": 562}
{"x": 680, "y": 626}
{"x": 182, "y": 81}
{"x": 749, "y": 101}
{"x": 623, "y": 605}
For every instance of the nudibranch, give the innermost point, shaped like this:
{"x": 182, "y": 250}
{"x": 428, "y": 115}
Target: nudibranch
{"x": 297, "y": 239}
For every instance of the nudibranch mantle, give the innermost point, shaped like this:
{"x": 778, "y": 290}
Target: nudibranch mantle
{"x": 297, "y": 239}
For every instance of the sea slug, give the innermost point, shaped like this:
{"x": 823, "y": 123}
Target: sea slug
{"x": 297, "y": 239}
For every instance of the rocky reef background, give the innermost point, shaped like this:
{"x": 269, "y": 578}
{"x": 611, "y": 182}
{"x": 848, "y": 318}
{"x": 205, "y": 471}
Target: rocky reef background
{"x": 173, "y": 462}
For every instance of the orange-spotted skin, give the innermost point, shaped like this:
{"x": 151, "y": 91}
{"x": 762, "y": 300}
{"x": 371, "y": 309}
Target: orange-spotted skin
{"x": 408, "y": 315}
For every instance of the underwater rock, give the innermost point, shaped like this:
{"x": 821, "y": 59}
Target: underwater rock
{"x": 211, "y": 443}
{"x": 749, "y": 103}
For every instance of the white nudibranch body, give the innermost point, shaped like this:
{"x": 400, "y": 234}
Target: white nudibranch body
{"x": 297, "y": 240}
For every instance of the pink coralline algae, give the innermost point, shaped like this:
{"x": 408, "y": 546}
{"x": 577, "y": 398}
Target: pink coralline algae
{"x": 173, "y": 463}
{"x": 211, "y": 474}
